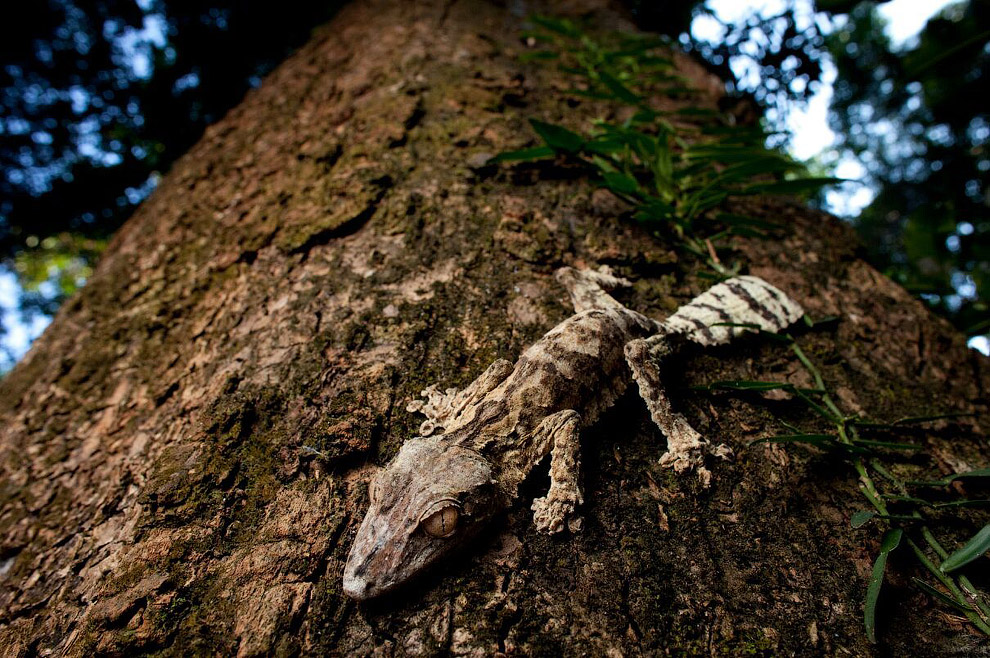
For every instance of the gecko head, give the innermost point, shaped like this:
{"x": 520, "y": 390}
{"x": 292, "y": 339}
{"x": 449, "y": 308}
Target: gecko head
{"x": 429, "y": 500}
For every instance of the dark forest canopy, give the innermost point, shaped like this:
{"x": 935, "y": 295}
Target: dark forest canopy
{"x": 99, "y": 97}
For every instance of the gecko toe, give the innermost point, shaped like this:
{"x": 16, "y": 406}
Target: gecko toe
{"x": 551, "y": 514}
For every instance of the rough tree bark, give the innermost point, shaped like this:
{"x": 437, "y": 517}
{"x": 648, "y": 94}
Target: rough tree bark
{"x": 326, "y": 251}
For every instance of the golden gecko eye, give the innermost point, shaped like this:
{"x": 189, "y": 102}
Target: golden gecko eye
{"x": 441, "y": 523}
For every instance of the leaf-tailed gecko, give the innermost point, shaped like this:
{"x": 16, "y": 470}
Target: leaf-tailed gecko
{"x": 478, "y": 445}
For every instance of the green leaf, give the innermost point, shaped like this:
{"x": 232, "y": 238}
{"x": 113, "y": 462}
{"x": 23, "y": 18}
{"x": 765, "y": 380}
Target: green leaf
{"x": 964, "y": 502}
{"x": 860, "y": 518}
{"x": 747, "y": 169}
{"x": 974, "y": 548}
{"x": 621, "y": 91}
{"x": 604, "y": 145}
{"x": 827, "y": 320}
{"x": 726, "y": 153}
{"x": 974, "y": 474}
{"x": 910, "y": 420}
{"x": 621, "y": 183}
{"x": 561, "y": 26}
{"x": 538, "y": 55}
{"x": 891, "y": 539}
{"x": 558, "y": 137}
{"x": 887, "y": 444}
{"x": 536, "y": 153}
{"x": 796, "y": 186}
{"x": 967, "y": 475}
{"x": 928, "y": 589}
{"x": 908, "y": 499}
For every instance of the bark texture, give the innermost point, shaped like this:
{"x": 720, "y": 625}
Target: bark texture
{"x": 332, "y": 247}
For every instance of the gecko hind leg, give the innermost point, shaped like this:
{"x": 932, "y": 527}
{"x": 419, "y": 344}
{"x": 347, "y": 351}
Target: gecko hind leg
{"x": 685, "y": 446}
{"x": 589, "y": 288}
{"x": 560, "y": 433}
{"x": 442, "y": 407}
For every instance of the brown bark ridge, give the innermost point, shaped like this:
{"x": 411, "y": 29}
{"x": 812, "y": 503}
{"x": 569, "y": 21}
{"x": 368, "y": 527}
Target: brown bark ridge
{"x": 329, "y": 249}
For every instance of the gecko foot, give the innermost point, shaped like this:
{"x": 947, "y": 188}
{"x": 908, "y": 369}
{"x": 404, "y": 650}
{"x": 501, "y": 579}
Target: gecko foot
{"x": 552, "y": 512}
{"x": 559, "y": 432}
{"x": 442, "y": 408}
{"x": 437, "y": 407}
{"x": 686, "y": 448}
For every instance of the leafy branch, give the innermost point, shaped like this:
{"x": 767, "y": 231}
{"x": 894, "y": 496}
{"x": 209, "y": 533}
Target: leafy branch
{"x": 909, "y": 525}
{"x": 675, "y": 168}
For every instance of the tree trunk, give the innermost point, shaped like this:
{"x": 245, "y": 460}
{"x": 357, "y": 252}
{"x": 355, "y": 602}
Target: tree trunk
{"x": 328, "y": 250}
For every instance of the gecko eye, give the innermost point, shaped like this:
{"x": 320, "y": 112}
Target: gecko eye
{"x": 441, "y": 522}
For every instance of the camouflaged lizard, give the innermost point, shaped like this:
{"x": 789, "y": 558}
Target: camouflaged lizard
{"x": 479, "y": 444}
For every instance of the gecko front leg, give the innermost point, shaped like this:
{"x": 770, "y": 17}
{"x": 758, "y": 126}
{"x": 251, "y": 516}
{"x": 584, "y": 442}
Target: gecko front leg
{"x": 685, "y": 446}
{"x": 561, "y": 432}
{"x": 441, "y": 407}
{"x": 725, "y": 311}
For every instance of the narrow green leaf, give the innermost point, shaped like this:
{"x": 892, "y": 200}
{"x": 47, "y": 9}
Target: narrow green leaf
{"x": 725, "y": 153}
{"x": 619, "y": 182}
{"x": 538, "y": 55}
{"x": 559, "y": 25}
{"x": 860, "y": 518}
{"x": 968, "y": 475}
{"x": 978, "y": 328}
{"x": 887, "y": 444}
{"x": 558, "y": 137}
{"x": 947, "y": 600}
{"x": 645, "y": 115}
{"x": 603, "y": 164}
{"x": 654, "y": 210}
{"x": 974, "y": 474}
{"x": 890, "y": 541}
{"x": 605, "y": 145}
{"x": 819, "y": 409}
{"x": 910, "y": 420}
{"x": 747, "y": 169}
{"x": 908, "y": 499}
{"x": 535, "y": 153}
{"x": 621, "y": 91}
{"x": 974, "y": 548}
{"x": 964, "y": 502}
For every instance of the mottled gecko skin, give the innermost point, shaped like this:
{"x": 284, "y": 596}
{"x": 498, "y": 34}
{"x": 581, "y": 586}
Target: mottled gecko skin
{"x": 440, "y": 491}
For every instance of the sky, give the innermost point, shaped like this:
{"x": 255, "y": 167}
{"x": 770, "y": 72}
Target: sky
{"x": 809, "y": 126}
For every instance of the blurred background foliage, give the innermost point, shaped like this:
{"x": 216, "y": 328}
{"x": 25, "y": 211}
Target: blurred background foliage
{"x": 99, "y": 97}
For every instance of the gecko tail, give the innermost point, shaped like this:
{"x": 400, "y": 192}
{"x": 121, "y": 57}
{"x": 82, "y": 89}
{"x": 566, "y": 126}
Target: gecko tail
{"x": 733, "y": 307}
